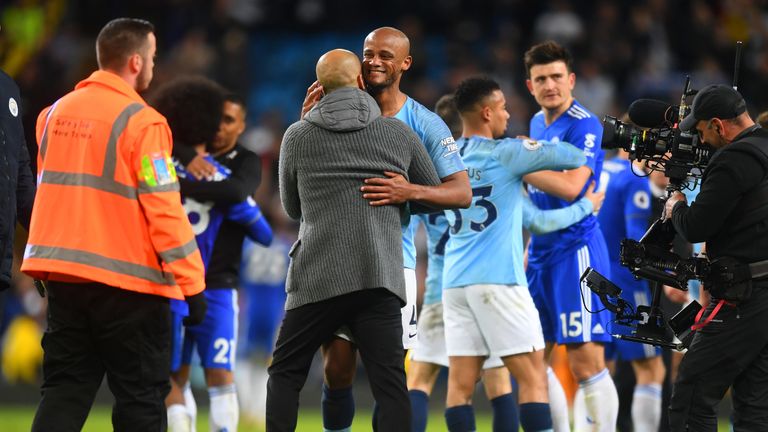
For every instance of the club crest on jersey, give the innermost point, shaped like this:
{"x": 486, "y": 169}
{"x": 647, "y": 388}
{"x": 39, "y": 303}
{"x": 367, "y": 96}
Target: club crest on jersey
{"x": 641, "y": 200}
{"x": 531, "y": 145}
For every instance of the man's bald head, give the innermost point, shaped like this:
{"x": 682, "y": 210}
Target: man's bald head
{"x": 338, "y": 68}
{"x": 393, "y": 38}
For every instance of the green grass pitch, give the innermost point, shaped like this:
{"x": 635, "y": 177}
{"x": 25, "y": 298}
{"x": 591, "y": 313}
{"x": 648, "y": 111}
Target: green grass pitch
{"x": 19, "y": 419}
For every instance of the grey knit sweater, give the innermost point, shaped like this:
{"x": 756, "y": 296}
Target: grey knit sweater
{"x": 345, "y": 244}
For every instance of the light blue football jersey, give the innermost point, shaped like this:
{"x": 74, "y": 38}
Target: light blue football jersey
{"x": 539, "y": 221}
{"x": 486, "y": 242}
{"x": 583, "y": 129}
{"x": 534, "y": 219}
{"x": 436, "y": 226}
{"x": 443, "y": 151}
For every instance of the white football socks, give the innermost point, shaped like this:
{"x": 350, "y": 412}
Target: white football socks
{"x": 189, "y": 402}
{"x": 601, "y": 404}
{"x": 224, "y": 409}
{"x": 178, "y": 419}
{"x": 558, "y": 404}
{"x": 646, "y": 408}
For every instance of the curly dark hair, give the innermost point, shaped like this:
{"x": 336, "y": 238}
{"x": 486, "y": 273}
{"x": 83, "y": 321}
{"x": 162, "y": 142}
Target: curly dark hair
{"x": 193, "y": 107}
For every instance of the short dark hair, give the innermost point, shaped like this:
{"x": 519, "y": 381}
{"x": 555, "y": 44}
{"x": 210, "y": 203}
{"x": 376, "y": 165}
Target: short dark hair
{"x": 473, "y": 90}
{"x": 446, "y": 109}
{"x": 545, "y": 53}
{"x": 121, "y": 38}
{"x": 236, "y": 99}
{"x": 193, "y": 107}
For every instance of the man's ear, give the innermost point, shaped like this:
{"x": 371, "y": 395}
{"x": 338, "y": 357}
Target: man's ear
{"x": 135, "y": 62}
{"x": 407, "y": 62}
{"x": 486, "y": 113}
{"x": 717, "y": 124}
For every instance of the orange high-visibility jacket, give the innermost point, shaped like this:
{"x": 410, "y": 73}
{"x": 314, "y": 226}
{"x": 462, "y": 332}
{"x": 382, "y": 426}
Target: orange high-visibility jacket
{"x": 108, "y": 207}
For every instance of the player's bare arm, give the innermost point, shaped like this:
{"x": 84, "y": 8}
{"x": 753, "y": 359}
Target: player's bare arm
{"x": 564, "y": 184}
{"x": 453, "y": 192}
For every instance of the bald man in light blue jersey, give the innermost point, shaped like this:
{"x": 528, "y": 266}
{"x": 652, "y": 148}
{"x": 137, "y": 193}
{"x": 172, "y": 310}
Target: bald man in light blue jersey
{"x": 386, "y": 55}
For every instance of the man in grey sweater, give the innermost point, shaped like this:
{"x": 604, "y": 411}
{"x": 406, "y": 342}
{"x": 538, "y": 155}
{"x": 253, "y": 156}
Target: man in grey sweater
{"x": 346, "y": 266}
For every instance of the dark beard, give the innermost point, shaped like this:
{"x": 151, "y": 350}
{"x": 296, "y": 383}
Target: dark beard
{"x": 376, "y": 89}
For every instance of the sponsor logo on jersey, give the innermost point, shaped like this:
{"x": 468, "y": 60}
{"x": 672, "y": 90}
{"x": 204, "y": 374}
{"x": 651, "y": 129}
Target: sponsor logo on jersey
{"x": 450, "y": 146}
{"x": 589, "y": 140}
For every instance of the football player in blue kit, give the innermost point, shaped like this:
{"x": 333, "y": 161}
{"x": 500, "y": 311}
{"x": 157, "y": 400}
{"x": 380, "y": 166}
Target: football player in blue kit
{"x": 386, "y": 56}
{"x": 557, "y": 260}
{"x": 487, "y": 308}
{"x": 626, "y": 214}
{"x": 200, "y": 112}
{"x": 429, "y": 354}
{"x": 206, "y": 219}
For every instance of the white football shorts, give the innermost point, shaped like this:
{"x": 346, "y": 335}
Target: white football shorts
{"x": 430, "y": 342}
{"x": 491, "y": 320}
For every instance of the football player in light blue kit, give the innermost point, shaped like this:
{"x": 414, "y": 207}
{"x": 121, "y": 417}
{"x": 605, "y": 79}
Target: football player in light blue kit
{"x": 626, "y": 214}
{"x": 386, "y": 55}
{"x": 556, "y": 261}
{"x": 429, "y": 355}
{"x": 487, "y": 308}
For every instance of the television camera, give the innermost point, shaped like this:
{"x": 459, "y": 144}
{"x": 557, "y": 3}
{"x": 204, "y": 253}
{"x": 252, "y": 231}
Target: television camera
{"x": 657, "y": 140}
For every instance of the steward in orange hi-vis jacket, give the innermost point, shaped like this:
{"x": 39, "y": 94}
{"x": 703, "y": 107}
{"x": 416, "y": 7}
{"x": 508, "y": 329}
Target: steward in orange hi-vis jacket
{"x": 111, "y": 237}
{"x": 108, "y": 207}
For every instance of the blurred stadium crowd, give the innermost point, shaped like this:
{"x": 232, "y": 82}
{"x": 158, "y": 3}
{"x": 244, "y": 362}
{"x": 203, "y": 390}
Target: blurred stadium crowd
{"x": 266, "y": 51}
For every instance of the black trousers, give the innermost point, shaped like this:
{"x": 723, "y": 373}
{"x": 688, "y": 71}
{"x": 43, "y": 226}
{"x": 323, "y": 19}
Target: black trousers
{"x": 373, "y": 317}
{"x": 731, "y": 351}
{"x": 93, "y": 330}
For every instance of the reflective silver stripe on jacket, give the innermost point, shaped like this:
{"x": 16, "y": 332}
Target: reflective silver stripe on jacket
{"x": 99, "y": 261}
{"x": 106, "y": 181}
{"x": 88, "y": 180}
{"x": 178, "y": 253}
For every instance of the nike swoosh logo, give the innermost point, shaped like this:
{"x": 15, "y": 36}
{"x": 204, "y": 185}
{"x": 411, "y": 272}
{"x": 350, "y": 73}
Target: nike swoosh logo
{"x": 411, "y": 335}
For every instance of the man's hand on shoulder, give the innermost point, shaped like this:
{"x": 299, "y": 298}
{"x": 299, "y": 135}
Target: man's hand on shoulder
{"x": 394, "y": 189}
{"x": 314, "y": 94}
{"x": 200, "y": 168}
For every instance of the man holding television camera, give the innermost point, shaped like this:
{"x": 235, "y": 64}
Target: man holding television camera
{"x": 730, "y": 214}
